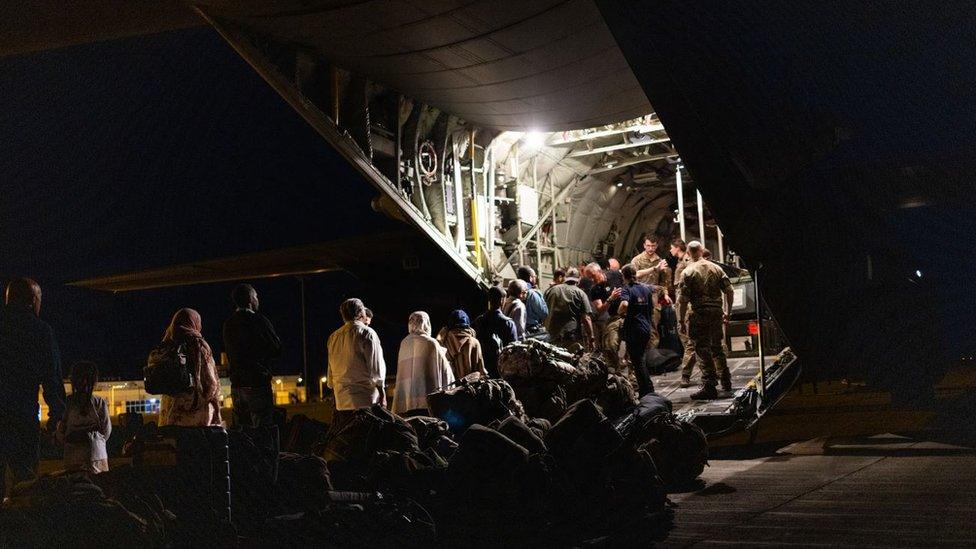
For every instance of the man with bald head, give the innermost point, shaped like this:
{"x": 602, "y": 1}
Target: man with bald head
{"x": 29, "y": 358}
{"x": 604, "y": 297}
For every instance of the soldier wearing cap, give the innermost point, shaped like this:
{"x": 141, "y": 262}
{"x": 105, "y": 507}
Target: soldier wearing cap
{"x": 569, "y": 319}
{"x": 705, "y": 286}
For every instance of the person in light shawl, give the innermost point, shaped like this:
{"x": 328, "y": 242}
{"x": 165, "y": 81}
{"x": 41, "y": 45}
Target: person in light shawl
{"x": 422, "y": 368}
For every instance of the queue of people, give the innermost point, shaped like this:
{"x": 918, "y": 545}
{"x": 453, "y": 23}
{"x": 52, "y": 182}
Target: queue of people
{"x": 620, "y": 310}
{"x": 619, "y": 314}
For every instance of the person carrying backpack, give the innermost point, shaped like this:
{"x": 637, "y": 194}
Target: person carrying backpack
{"x": 198, "y": 406}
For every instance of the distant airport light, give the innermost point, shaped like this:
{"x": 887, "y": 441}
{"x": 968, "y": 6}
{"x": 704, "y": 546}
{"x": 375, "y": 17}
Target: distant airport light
{"x": 534, "y": 140}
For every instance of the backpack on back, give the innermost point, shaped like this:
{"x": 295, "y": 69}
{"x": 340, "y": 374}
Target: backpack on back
{"x": 167, "y": 371}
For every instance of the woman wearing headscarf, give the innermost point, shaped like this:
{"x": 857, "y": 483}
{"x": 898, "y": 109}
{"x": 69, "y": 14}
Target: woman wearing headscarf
{"x": 422, "y": 368}
{"x": 462, "y": 345}
{"x": 200, "y": 406}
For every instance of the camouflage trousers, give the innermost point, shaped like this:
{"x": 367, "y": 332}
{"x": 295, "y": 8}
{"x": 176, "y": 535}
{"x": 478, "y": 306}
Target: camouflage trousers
{"x": 655, "y": 322}
{"x": 706, "y": 332}
{"x": 608, "y": 340}
{"x": 688, "y": 359}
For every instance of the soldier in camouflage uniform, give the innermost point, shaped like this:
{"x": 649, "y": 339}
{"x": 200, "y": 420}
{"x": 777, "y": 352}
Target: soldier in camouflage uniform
{"x": 653, "y": 270}
{"x": 706, "y": 287}
{"x": 679, "y": 251}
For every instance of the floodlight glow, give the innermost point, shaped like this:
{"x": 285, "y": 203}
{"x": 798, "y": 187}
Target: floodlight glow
{"x": 534, "y": 140}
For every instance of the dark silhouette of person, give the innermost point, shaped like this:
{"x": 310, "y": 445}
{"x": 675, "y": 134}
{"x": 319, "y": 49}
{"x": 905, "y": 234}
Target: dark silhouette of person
{"x": 252, "y": 346}
{"x": 29, "y": 357}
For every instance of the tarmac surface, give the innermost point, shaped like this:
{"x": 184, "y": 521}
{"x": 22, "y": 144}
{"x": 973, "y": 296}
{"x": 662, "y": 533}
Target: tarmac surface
{"x": 882, "y": 491}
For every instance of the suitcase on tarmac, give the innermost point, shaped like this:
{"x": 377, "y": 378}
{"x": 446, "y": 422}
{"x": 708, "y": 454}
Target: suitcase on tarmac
{"x": 191, "y": 469}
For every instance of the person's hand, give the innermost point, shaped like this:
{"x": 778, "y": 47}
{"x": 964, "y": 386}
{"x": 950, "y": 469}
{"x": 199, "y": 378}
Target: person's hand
{"x": 667, "y": 300}
{"x": 662, "y": 265}
{"x": 683, "y": 327}
{"x": 615, "y": 293}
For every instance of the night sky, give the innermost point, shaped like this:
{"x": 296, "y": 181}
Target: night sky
{"x": 155, "y": 151}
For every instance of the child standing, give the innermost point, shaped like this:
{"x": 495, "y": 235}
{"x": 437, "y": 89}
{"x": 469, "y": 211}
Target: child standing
{"x": 86, "y": 424}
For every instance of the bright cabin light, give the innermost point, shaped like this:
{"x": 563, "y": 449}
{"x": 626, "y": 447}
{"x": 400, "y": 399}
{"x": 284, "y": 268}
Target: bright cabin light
{"x": 278, "y": 381}
{"x": 918, "y": 274}
{"x": 620, "y": 183}
{"x": 534, "y": 140}
{"x": 299, "y": 380}
{"x": 324, "y": 379}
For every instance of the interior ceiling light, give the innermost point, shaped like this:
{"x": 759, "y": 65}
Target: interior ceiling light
{"x": 620, "y": 183}
{"x": 534, "y": 139}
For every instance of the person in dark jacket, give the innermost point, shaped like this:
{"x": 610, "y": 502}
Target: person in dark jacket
{"x": 494, "y": 330}
{"x": 536, "y": 309}
{"x": 252, "y": 346}
{"x": 637, "y": 309}
{"x": 29, "y": 358}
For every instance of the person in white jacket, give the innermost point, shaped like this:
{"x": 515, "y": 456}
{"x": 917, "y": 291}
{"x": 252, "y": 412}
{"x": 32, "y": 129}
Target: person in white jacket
{"x": 422, "y": 368}
{"x": 515, "y": 306}
{"x": 87, "y": 423}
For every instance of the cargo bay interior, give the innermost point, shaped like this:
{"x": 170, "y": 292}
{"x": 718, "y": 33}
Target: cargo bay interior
{"x": 502, "y": 144}
{"x": 540, "y": 177}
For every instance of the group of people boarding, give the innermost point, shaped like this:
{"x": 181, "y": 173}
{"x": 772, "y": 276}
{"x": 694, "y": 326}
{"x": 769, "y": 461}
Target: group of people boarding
{"x": 604, "y": 309}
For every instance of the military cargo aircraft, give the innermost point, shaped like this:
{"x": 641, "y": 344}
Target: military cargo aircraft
{"x": 550, "y": 133}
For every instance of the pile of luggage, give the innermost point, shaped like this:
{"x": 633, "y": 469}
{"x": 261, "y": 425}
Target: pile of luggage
{"x": 558, "y": 452}
{"x": 489, "y": 472}
{"x": 547, "y": 379}
{"x": 70, "y": 510}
